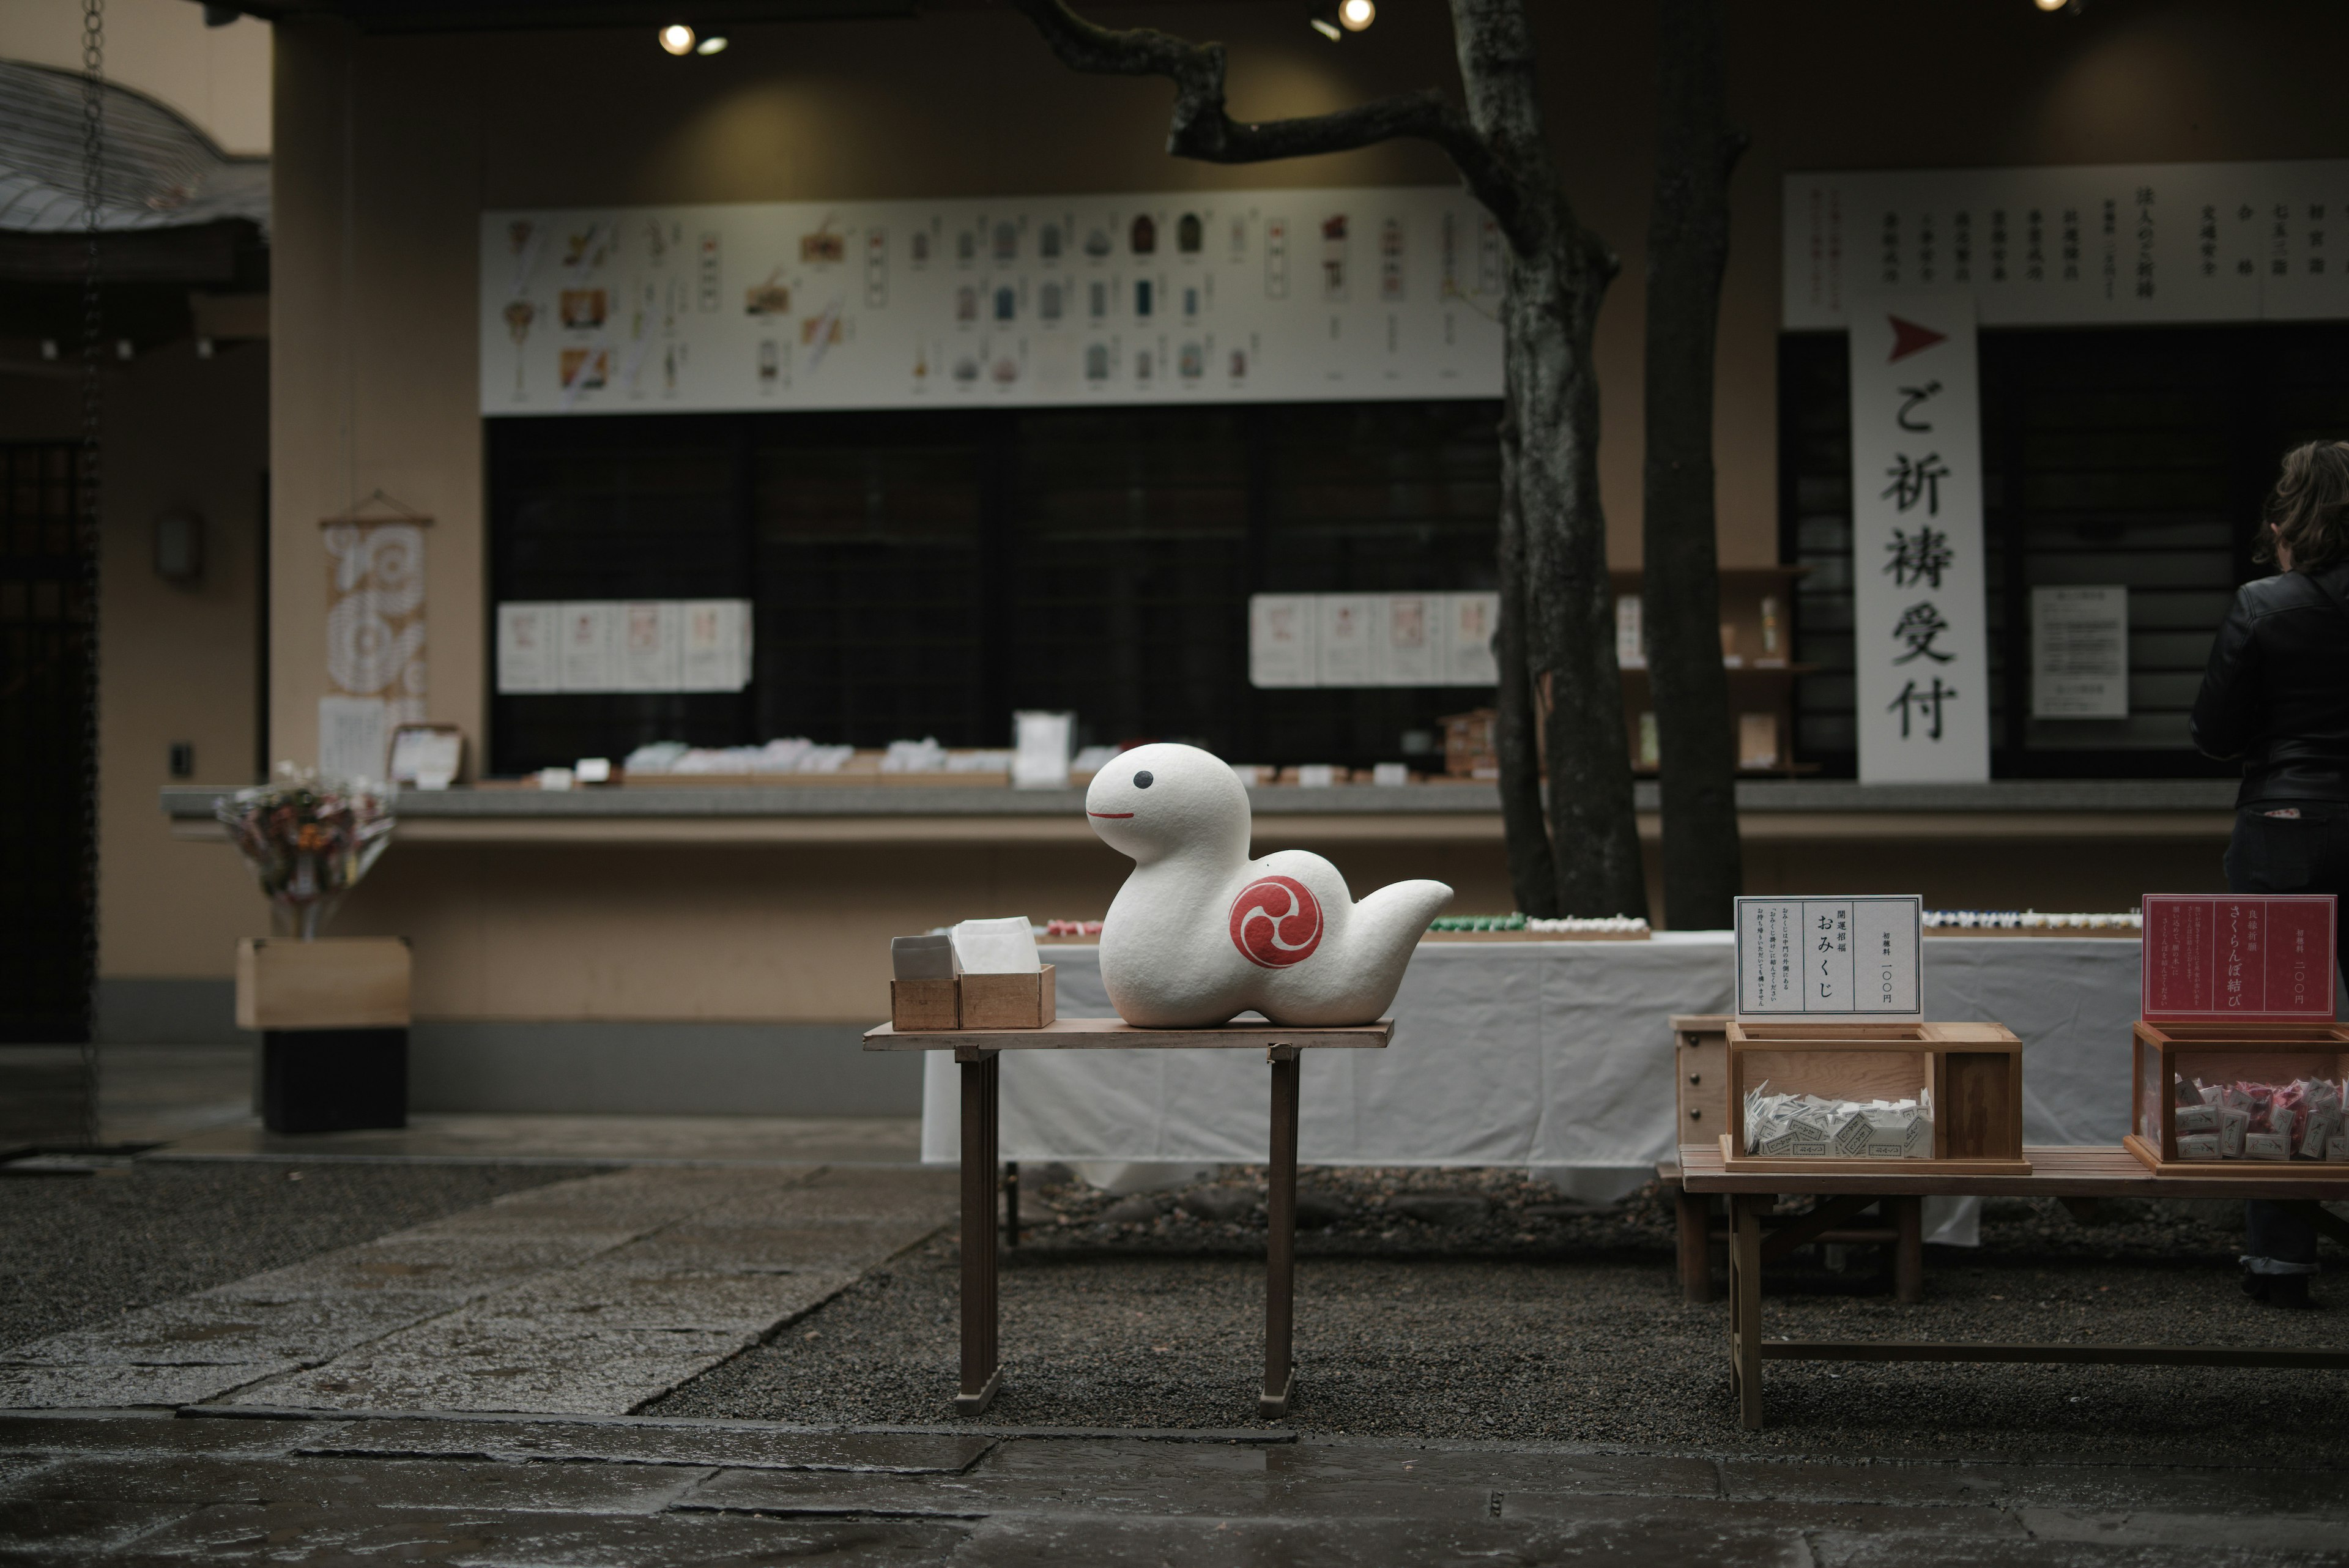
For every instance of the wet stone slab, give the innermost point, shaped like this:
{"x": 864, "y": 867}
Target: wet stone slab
{"x": 569, "y": 1367}
{"x": 200, "y": 1481}
{"x": 359, "y": 1534}
{"x": 219, "y": 1329}
{"x": 745, "y": 1447}
{"x": 112, "y": 1386}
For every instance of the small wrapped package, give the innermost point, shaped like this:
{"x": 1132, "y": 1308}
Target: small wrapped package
{"x": 1920, "y": 1137}
{"x": 2318, "y": 1133}
{"x": 2267, "y": 1145}
{"x": 2336, "y": 1149}
{"x": 1888, "y": 1131}
{"x": 2198, "y": 1145}
{"x": 2234, "y": 1124}
{"x": 2197, "y": 1118}
{"x": 1847, "y": 1132}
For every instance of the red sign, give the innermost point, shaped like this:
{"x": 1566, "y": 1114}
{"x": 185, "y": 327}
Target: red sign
{"x": 1276, "y": 922}
{"x": 2212, "y": 957}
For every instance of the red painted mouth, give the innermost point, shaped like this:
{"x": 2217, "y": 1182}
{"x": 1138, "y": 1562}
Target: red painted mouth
{"x": 1116, "y": 813}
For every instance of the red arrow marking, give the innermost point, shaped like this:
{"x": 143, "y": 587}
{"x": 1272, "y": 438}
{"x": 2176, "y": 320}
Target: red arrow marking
{"x": 1908, "y": 338}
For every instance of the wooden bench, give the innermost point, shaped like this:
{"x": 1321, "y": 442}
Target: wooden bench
{"x": 2073, "y": 1173}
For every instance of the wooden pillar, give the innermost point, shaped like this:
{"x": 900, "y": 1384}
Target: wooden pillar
{"x": 1908, "y": 1253}
{"x": 1745, "y": 1306}
{"x": 981, "y": 1375}
{"x": 1280, "y": 1240}
{"x": 1695, "y": 1217}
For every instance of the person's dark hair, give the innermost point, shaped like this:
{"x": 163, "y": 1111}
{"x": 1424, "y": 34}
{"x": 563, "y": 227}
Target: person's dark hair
{"x": 2308, "y": 512}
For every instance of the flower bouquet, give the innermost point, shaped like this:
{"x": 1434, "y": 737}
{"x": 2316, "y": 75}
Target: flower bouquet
{"x": 308, "y": 840}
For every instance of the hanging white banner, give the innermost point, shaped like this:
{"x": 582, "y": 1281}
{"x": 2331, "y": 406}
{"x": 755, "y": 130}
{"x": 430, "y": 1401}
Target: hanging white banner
{"x": 1268, "y": 295}
{"x": 2079, "y": 244}
{"x": 1920, "y": 610}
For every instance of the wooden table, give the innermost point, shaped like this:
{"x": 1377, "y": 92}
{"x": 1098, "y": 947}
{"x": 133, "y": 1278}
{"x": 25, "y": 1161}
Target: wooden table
{"x": 978, "y": 1051}
{"x": 2056, "y": 1172}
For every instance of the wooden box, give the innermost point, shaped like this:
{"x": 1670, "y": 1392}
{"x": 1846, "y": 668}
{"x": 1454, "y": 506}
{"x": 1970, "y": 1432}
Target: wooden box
{"x": 925, "y": 1004}
{"x": 335, "y": 982}
{"x": 1007, "y": 1001}
{"x": 973, "y": 1002}
{"x": 1974, "y": 1072}
{"x": 2165, "y": 1053}
{"x": 1701, "y": 1069}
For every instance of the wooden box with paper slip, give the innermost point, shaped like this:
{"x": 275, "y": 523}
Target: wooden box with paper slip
{"x": 1968, "y": 1077}
{"x": 2243, "y": 1130}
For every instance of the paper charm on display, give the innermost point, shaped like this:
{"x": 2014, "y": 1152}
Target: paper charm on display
{"x": 1920, "y": 643}
{"x": 375, "y": 642}
{"x": 1200, "y": 932}
{"x": 1371, "y": 639}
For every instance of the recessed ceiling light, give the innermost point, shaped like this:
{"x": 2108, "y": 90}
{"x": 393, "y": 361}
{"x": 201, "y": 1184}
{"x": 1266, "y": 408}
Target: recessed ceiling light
{"x": 1356, "y": 15}
{"x": 677, "y": 38}
{"x": 714, "y": 45}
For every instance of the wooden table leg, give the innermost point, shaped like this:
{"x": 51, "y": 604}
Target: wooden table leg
{"x": 1695, "y": 1217}
{"x": 1281, "y": 1241}
{"x": 982, "y": 1374}
{"x": 1746, "y": 1310}
{"x": 1908, "y": 1253}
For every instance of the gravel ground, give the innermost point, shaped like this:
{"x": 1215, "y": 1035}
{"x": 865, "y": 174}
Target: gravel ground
{"x": 1452, "y": 1304}
{"x": 77, "y": 1250}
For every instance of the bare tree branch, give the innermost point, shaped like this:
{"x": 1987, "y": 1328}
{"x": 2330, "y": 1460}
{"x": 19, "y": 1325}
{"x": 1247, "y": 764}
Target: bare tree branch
{"x": 1203, "y": 129}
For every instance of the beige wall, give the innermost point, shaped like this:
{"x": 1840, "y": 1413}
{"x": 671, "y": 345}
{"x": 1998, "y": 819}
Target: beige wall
{"x": 176, "y": 662}
{"x": 217, "y": 77}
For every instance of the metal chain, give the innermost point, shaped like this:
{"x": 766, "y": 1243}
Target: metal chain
{"x": 93, "y": 337}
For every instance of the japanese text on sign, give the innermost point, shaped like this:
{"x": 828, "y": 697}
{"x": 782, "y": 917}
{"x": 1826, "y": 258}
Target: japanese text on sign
{"x": 1835, "y": 958}
{"x": 2227, "y": 956}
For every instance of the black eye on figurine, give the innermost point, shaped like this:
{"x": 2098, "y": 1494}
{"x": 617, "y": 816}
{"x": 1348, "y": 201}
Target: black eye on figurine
{"x": 1142, "y": 779}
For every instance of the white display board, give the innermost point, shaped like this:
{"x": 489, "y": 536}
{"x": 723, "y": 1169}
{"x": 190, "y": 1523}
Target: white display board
{"x": 1372, "y": 639}
{"x": 2085, "y": 245}
{"x": 2079, "y": 652}
{"x": 1830, "y": 958}
{"x": 612, "y": 645}
{"x": 1921, "y": 614}
{"x": 1146, "y": 297}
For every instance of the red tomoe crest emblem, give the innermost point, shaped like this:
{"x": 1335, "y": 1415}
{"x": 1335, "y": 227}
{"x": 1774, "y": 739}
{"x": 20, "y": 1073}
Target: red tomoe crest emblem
{"x": 1276, "y": 922}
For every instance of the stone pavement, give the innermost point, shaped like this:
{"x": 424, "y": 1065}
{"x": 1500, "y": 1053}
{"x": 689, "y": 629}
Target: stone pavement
{"x": 591, "y": 1296}
{"x": 120, "y": 1489}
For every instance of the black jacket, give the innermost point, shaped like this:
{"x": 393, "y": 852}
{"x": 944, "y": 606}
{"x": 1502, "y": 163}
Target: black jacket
{"x": 2277, "y": 691}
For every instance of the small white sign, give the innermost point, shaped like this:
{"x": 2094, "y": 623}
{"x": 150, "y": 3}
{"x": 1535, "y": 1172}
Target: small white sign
{"x": 1474, "y": 618}
{"x": 1351, "y": 634}
{"x": 1414, "y": 657}
{"x": 590, "y": 657}
{"x": 1826, "y": 959}
{"x": 1281, "y": 642}
{"x": 2079, "y": 653}
{"x": 652, "y": 645}
{"x": 530, "y": 640}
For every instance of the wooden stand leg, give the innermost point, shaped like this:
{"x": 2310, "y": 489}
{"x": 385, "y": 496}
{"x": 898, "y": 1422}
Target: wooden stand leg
{"x": 1695, "y": 1215}
{"x": 1011, "y": 1203}
{"x": 1281, "y": 1241}
{"x": 1745, "y": 1307}
{"x": 981, "y": 1375}
{"x": 1909, "y": 1254}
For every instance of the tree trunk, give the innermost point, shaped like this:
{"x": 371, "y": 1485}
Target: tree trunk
{"x": 1688, "y": 246}
{"x": 1557, "y": 276}
{"x": 1533, "y": 873}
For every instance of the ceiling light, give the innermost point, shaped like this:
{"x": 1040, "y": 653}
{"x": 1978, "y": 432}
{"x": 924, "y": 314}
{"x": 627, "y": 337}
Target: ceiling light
{"x": 677, "y": 38}
{"x": 715, "y": 44}
{"x": 2055, "y": 4}
{"x": 1356, "y": 15}
{"x": 1327, "y": 28}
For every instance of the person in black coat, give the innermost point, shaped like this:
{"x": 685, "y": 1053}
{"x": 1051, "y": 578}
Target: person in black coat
{"x": 2276, "y": 696}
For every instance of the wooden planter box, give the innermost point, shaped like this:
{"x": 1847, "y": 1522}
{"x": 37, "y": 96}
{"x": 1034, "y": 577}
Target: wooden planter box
{"x": 335, "y": 982}
{"x": 1974, "y": 1072}
{"x": 973, "y": 1002}
{"x": 2226, "y": 1053}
